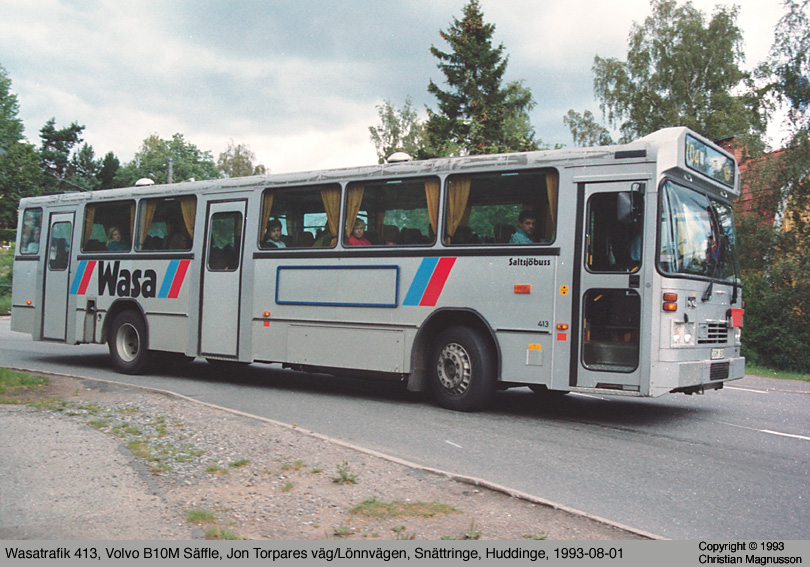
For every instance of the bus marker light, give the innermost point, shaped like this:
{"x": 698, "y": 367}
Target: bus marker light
{"x": 28, "y": 302}
{"x": 265, "y": 314}
{"x": 670, "y": 306}
{"x": 523, "y": 288}
{"x": 562, "y": 326}
{"x": 670, "y": 297}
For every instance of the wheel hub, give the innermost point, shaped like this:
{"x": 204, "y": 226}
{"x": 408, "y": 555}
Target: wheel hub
{"x": 454, "y": 369}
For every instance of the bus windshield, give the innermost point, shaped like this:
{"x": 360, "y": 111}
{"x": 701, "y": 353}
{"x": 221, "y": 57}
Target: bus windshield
{"x": 697, "y": 235}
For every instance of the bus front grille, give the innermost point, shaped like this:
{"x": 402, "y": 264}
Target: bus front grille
{"x": 719, "y": 371}
{"x": 715, "y": 333}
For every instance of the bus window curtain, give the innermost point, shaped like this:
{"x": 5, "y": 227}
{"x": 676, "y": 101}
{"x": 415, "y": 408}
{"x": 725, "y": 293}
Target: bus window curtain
{"x": 131, "y": 219}
{"x": 331, "y": 205}
{"x": 432, "y": 193}
{"x": 89, "y": 216}
{"x": 148, "y": 209}
{"x": 458, "y": 194}
{"x": 552, "y": 183}
{"x": 267, "y": 206}
{"x": 355, "y": 199}
{"x": 189, "y": 207}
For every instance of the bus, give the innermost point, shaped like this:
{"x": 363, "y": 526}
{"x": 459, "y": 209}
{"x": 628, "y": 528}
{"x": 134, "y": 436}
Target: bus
{"x": 606, "y": 270}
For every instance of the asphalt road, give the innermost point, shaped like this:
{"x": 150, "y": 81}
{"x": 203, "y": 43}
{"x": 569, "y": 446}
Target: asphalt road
{"x": 733, "y": 464}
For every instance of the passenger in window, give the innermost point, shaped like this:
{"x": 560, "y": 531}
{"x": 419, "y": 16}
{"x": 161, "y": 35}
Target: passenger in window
{"x": 273, "y": 235}
{"x": 176, "y": 236}
{"x": 527, "y": 222}
{"x": 356, "y": 238}
{"x": 32, "y": 247}
{"x": 114, "y": 243}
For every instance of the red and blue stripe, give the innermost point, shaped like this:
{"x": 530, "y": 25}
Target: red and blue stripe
{"x": 82, "y": 279}
{"x": 428, "y": 283}
{"x": 173, "y": 280}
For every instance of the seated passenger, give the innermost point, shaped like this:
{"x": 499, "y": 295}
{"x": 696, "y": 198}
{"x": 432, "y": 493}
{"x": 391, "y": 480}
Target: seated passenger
{"x": 114, "y": 243}
{"x": 356, "y": 238}
{"x": 273, "y": 235}
{"x": 527, "y": 221}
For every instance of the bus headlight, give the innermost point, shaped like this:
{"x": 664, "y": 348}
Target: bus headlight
{"x": 737, "y": 336}
{"x": 683, "y": 334}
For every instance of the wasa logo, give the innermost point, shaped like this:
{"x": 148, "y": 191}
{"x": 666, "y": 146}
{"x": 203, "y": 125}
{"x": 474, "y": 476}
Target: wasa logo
{"x": 114, "y": 280}
{"x": 429, "y": 282}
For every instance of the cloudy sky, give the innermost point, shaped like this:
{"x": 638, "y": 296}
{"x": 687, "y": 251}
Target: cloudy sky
{"x": 297, "y": 81}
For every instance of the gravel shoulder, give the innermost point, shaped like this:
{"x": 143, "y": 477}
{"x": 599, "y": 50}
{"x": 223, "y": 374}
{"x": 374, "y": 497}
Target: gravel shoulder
{"x": 90, "y": 460}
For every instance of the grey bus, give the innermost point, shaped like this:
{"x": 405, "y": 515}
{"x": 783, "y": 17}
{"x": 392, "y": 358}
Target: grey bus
{"x": 607, "y": 270}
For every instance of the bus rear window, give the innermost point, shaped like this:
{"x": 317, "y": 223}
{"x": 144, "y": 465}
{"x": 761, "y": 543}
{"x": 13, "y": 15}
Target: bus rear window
{"x": 515, "y": 208}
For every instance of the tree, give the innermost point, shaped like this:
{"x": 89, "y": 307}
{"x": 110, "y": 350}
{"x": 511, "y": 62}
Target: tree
{"x": 82, "y": 171}
{"x": 188, "y": 162}
{"x": 55, "y": 152}
{"x": 108, "y": 168}
{"x": 238, "y": 161}
{"x": 20, "y": 175}
{"x": 586, "y": 130}
{"x": 681, "y": 70}
{"x": 399, "y": 131}
{"x": 776, "y": 259}
{"x": 11, "y": 127}
{"x": 474, "y": 112}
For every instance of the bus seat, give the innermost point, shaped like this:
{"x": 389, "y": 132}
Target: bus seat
{"x": 503, "y": 232}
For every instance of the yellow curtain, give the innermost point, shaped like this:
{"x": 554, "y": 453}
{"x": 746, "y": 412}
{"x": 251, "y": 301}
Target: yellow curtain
{"x": 432, "y": 193}
{"x": 552, "y": 182}
{"x": 189, "y": 207}
{"x": 331, "y": 205}
{"x": 131, "y": 220}
{"x": 148, "y": 209}
{"x": 89, "y": 215}
{"x": 267, "y": 206}
{"x": 353, "y": 206}
{"x": 458, "y": 194}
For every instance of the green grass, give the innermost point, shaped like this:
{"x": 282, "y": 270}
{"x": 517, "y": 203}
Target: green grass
{"x": 11, "y": 381}
{"x": 374, "y": 508}
{"x": 200, "y": 516}
{"x": 770, "y": 373}
{"x": 344, "y": 476}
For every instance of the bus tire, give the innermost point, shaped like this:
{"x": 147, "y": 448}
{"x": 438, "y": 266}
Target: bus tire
{"x": 462, "y": 375}
{"x": 129, "y": 343}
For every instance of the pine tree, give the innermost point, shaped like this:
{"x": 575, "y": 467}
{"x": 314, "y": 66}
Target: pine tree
{"x": 475, "y": 113}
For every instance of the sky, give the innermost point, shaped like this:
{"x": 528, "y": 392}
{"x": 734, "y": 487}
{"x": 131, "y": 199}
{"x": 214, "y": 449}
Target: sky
{"x": 298, "y": 81}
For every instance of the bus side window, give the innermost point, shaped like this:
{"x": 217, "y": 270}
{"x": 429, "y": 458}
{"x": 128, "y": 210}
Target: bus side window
{"x": 59, "y": 247}
{"x": 513, "y": 208}
{"x": 108, "y": 227}
{"x": 166, "y": 223}
{"x": 31, "y": 231}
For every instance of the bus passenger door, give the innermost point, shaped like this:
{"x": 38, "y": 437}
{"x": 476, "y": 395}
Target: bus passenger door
{"x": 57, "y": 277}
{"x": 610, "y": 284}
{"x": 222, "y": 276}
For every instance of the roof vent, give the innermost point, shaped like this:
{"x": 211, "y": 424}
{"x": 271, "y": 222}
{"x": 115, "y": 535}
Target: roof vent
{"x": 399, "y": 157}
{"x": 144, "y": 182}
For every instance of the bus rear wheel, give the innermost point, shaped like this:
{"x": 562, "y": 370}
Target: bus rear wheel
{"x": 463, "y": 370}
{"x": 129, "y": 343}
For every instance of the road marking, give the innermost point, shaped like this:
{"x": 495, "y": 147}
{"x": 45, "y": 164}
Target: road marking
{"x": 453, "y": 444}
{"x": 768, "y": 431}
{"x": 748, "y": 390}
{"x": 785, "y": 434}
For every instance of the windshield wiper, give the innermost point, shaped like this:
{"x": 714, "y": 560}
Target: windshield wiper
{"x": 719, "y": 239}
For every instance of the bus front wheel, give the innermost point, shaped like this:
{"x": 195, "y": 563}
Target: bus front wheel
{"x": 463, "y": 370}
{"x": 129, "y": 343}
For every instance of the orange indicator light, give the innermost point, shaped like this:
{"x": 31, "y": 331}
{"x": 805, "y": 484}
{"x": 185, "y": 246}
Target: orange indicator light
{"x": 523, "y": 288}
{"x": 562, "y": 326}
{"x": 670, "y": 306}
{"x": 670, "y": 297}
{"x": 266, "y": 314}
